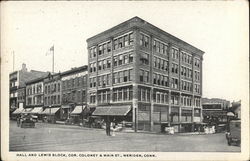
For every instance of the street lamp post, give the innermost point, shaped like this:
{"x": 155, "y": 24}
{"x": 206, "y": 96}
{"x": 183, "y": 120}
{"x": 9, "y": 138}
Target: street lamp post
{"x": 50, "y": 114}
{"x": 82, "y": 108}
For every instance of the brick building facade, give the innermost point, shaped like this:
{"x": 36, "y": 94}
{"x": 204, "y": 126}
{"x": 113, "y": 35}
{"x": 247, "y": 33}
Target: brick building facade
{"x": 154, "y": 75}
{"x": 17, "y": 86}
{"x": 74, "y": 90}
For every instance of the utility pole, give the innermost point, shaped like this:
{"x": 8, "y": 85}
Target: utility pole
{"x": 53, "y": 59}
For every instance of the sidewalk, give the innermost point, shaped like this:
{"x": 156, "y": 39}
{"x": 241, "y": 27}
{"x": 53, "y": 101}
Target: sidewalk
{"x": 49, "y": 125}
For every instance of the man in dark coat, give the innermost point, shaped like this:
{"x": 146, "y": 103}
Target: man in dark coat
{"x": 108, "y": 126}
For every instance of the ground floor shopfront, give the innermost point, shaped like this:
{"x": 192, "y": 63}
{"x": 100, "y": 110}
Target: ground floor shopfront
{"x": 183, "y": 119}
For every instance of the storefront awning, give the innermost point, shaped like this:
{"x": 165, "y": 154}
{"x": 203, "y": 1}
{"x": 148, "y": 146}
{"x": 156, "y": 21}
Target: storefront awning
{"x": 37, "y": 110}
{"x": 214, "y": 113}
{"x": 77, "y": 110}
{"x": 50, "y": 111}
{"x": 66, "y": 106}
{"x": 27, "y": 110}
{"x": 17, "y": 111}
{"x": 112, "y": 111}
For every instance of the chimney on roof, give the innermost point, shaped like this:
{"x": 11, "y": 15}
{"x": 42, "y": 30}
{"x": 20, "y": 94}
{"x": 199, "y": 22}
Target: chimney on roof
{"x": 24, "y": 67}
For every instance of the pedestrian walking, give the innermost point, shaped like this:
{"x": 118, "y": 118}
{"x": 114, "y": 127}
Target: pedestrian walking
{"x": 114, "y": 128}
{"x": 18, "y": 121}
{"x": 108, "y": 126}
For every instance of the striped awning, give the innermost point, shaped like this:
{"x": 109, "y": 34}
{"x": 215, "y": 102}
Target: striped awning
{"x": 77, "y": 110}
{"x": 27, "y": 110}
{"x": 37, "y": 110}
{"x": 50, "y": 111}
{"x": 17, "y": 111}
{"x": 112, "y": 110}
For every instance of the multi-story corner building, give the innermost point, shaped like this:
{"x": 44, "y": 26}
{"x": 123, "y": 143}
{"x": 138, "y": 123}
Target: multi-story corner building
{"x": 141, "y": 73}
{"x": 17, "y": 86}
{"x": 74, "y": 90}
{"x": 52, "y": 95}
{"x": 35, "y": 93}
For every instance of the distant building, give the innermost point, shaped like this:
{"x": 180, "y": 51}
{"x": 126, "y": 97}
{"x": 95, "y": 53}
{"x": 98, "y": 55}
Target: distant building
{"x": 236, "y": 109}
{"x": 142, "y": 74}
{"x": 35, "y": 92}
{"x": 215, "y": 110}
{"x": 17, "y": 82}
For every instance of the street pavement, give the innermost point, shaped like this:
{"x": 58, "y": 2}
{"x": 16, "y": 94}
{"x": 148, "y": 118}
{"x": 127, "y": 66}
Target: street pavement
{"x": 54, "y": 137}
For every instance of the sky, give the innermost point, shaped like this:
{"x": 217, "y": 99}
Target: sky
{"x": 220, "y": 29}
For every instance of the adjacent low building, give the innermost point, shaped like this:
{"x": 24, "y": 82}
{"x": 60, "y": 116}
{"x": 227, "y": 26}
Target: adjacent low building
{"x": 74, "y": 92}
{"x": 52, "y": 97}
{"x": 35, "y": 95}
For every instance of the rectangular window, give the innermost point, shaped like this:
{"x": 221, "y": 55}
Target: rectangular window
{"x": 99, "y": 97}
{"x": 158, "y": 79}
{"x": 120, "y": 95}
{"x": 143, "y": 94}
{"x": 104, "y": 64}
{"x": 148, "y": 95}
{"x": 94, "y": 53}
{"x": 108, "y": 96}
{"x": 94, "y": 67}
{"x": 125, "y": 94}
{"x": 146, "y": 41}
{"x": 155, "y": 78}
{"x": 141, "y": 39}
{"x": 166, "y": 65}
{"x": 100, "y": 50}
{"x": 99, "y": 81}
{"x": 115, "y": 95}
{"x": 120, "y": 42}
{"x": 157, "y": 46}
{"x": 126, "y": 40}
{"x": 166, "y": 49}
{"x": 141, "y": 75}
{"x": 161, "y": 48}
{"x": 144, "y": 58}
{"x": 115, "y": 61}
{"x": 155, "y": 61}
{"x": 130, "y": 75}
{"x": 130, "y": 93}
{"x": 94, "y": 82}
{"x": 165, "y": 81}
{"x": 99, "y": 65}
{"x": 109, "y": 47}
{"x": 162, "y": 64}
{"x": 115, "y": 80}
{"x": 146, "y": 76}
{"x": 115, "y": 44}
{"x": 120, "y": 59}
{"x": 125, "y": 59}
{"x": 104, "y": 97}
{"x": 131, "y": 39}
{"x": 105, "y": 48}
{"x": 125, "y": 78}
{"x": 108, "y": 63}
{"x": 108, "y": 79}
{"x": 120, "y": 80}
{"x": 130, "y": 58}
{"x": 104, "y": 80}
